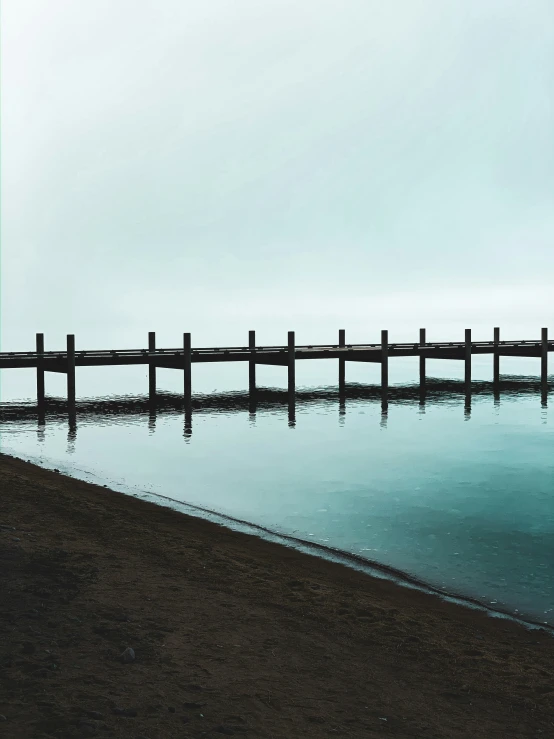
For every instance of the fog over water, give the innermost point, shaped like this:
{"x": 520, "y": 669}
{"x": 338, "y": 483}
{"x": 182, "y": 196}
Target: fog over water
{"x": 216, "y": 167}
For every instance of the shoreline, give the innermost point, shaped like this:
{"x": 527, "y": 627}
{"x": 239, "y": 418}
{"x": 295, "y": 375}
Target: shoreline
{"x": 369, "y": 567}
{"x": 276, "y": 642}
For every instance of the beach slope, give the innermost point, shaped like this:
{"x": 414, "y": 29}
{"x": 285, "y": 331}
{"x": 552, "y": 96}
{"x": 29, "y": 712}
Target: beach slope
{"x": 233, "y": 635}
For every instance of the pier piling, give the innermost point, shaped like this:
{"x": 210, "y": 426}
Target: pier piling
{"x": 544, "y": 361}
{"x": 384, "y": 365}
{"x": 152, "y": 366}
{"x": 496, "y": 358}
{"x": 291, "y": 365}
{"x": 40, "y": 373}
{"x": 252, "y": 362}
{"x": 422, "y": 368}
{"x": 467, "y": 368}
{"x": 71, "y": 374}
{"x": 342, "y": 362}
{"x": 291, "y": 378}
{"x": 187, "y": 361}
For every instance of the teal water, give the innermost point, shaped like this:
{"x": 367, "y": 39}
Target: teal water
{"x": 461, "y": 498}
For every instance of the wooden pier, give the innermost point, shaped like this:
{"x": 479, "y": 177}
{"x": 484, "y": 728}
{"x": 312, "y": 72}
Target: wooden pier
{"x": 182, "y": 358}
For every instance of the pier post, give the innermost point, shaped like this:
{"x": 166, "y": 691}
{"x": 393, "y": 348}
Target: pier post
{"x": 496, "y": 359}
{"x": 152, "y": 366}
{"x": 422, "y": 378}
{"x": 252, "y": 362}
{"x": 291, "y": 378}
{"x": 342, "y": 362}
{"x": 187, "y": 360}
{"x": 40, "y": 374}
{"x": 544, "y": 361}
{"x": 71, "y": 374}
{"x": 384, "y": 365}
{"x": 291, "y": 365}
{"x": 467, "y": 362}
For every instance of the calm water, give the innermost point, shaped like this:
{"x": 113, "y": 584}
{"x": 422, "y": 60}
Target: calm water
{"x": 462, "y": 498}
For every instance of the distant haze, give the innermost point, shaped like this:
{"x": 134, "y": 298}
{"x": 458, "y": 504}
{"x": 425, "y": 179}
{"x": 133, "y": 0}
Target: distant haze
{"x": 216, "y": 166}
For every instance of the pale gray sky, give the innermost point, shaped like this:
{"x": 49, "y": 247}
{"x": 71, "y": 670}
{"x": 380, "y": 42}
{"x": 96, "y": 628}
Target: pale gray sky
{"x": 219, "y": 165}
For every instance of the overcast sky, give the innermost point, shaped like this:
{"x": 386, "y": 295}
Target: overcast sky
{"x": 220, "y": 165}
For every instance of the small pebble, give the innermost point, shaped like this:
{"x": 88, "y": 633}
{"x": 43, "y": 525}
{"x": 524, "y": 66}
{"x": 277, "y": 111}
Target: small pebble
{"x": 128, "y": 655}
{"x": 2, "y": 717}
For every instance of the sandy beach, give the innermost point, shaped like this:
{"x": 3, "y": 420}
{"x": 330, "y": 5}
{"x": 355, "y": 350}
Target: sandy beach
{"x": 233, "y": 635}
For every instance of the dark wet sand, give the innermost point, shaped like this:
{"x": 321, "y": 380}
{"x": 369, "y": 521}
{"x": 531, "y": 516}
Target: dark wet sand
{"x": 233, "y": 635}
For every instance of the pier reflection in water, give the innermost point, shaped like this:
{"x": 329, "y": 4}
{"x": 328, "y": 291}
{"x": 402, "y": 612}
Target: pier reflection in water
{"x": 436, "y": 391}
{"x": 457, "y": 493}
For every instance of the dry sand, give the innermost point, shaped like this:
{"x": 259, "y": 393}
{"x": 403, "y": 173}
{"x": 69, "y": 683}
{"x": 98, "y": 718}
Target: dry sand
{"x": 233, "y": 635}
